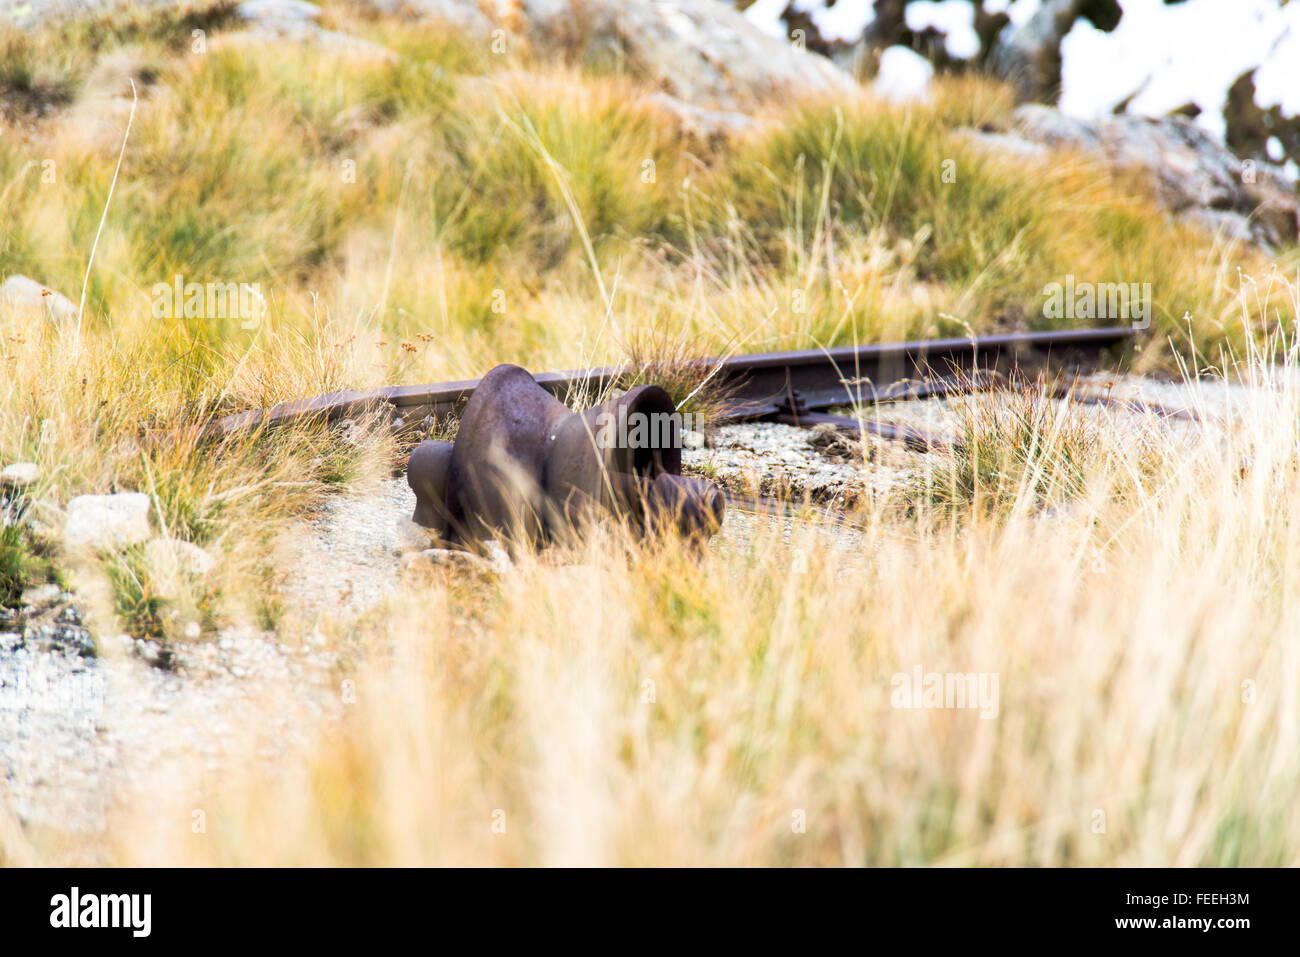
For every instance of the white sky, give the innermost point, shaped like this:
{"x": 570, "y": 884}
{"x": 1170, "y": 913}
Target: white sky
{"x": 1190, "y": 51}
{"x": 1187, "y": 52}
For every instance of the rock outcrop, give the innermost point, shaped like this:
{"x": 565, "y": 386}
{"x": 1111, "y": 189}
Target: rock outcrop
{"x": 701, "y": 52}
{"x": 468, "y": 15}
{"x": 1193, "y": 175}
{"x": 702, "y": 123}
{"x": 295, "y": 21}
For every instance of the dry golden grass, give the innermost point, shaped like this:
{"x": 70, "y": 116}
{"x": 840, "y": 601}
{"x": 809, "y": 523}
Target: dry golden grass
{"x": 649, "y": 706}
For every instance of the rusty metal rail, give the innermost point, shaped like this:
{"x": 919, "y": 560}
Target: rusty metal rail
{"x": 764, "y": 386}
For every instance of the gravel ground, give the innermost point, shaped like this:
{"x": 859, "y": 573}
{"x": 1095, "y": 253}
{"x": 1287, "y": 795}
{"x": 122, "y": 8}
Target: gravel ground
{"x": 78, "y": 733}
{"x": 767, "y": 458}
{"x": 347, "y": 558}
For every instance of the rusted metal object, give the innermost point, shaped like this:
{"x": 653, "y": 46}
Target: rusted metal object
{"x": 524, "y": 466}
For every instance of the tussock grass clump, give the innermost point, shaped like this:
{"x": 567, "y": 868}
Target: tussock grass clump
{"x": 1025, "y": 448}
{"x": 137, "y": 603}
{"x": 971, "y": 223}
{"x": 24, "y": 561}
{"x": 51, "y": 60}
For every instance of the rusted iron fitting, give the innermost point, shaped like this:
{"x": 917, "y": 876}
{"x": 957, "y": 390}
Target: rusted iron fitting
{"x": 524, "y": 466}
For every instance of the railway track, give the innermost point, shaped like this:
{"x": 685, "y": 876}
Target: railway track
{"x": 793, "y": 387}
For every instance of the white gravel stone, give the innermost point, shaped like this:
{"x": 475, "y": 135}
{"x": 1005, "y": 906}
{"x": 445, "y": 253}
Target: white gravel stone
{"x": 494, "y": 559}
{"x": 767, "y": 458}
{"x": 41, "y": 596}
{"x": 107, "y": 521}
{"x": 20, "y": 475}
{"x": 498, "y": 558}
{"x": 80, "y": 736}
